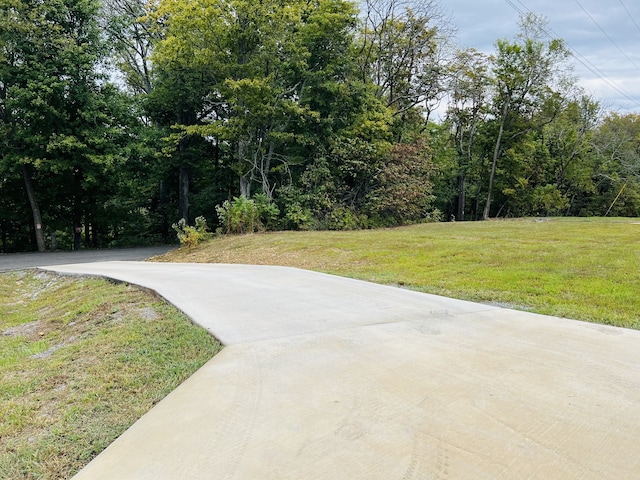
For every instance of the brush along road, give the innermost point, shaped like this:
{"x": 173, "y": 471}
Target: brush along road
{"x": 324, "y": 377}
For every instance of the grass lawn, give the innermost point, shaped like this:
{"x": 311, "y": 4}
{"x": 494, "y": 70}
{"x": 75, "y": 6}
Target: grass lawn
{"x": 80, "y": 361}
{"x": 587, "y": 269}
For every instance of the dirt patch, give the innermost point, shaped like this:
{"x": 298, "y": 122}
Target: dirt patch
{"x": 47, "y": 281}
{"x": 148, "y": 313}
{"x": 31, "y": 329}
{"x": 50, "y": 351}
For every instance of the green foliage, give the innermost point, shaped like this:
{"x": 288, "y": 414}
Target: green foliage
{"x": 255, "y": 65}
{"x": 244, "y": 215}
{"x": 343, "y": 218}
{"x": 191, "y": 236}
{"x": 530, "y": 77}
{"x": 549, "y": 201}
{"x": 402, "y": 188}
{"x": 63, "y": 127}
{"x": 323, "y": 108}
{"x": 298, "y": 217}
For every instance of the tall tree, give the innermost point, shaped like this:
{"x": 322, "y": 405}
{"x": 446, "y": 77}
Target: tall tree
{"x": 469, "y": 86}
{"x": 402, "y": 50}
{"x": 55, "y": 120}
{"x": 529, "y": 73}
{"x": 617, "y": 170}
{"x": 569, "y": 140}
{"x": 262, "y": 59}
{"x": 130, "y": 32}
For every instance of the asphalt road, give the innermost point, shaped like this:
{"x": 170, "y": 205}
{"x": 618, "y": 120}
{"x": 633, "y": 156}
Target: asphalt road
{"x": 22, "y": 261}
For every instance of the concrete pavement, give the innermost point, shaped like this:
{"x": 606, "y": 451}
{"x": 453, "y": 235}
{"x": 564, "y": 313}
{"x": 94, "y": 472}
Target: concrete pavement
{"x": 326, "y": 377}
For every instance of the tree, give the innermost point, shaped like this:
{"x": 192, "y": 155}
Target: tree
{"x": 569, "y": 140}
{"x": 130, "y": 32}
{"x": 179, "y": 97}
{"x": 530, "y": 76}
{"x": 262, "y": 60}
{"x": 617, "y": 143}
{"x": 468, "y": 95}
{"x": 56, "y": 119}
{"x": 402, "y": 188}
{"x": 401, "y": 49}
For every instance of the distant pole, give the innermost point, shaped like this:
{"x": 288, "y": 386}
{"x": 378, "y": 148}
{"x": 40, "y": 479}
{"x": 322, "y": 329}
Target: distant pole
{"x": 615, "y": 200}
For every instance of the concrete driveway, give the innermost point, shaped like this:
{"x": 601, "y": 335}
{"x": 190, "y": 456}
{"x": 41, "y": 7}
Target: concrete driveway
{"x": 330, "y": 378}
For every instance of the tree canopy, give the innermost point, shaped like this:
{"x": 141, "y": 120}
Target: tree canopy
{"x": 120, "y": 118}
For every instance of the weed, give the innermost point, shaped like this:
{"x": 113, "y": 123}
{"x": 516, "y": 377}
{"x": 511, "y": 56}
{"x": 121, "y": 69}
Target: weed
{"x": 191, "y": 236}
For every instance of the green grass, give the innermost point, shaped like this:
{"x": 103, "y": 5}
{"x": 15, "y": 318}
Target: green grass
{"x": 80, "y": 361}
{"x": 575, "y": 268}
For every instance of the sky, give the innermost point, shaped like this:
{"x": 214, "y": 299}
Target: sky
{"x": 604, "y": 36}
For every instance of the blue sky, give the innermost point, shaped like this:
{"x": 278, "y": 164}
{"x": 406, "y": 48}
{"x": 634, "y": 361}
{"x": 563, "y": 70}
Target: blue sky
{"x": 605, "y": 35}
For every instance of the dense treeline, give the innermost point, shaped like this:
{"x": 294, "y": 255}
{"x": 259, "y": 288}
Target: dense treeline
{"x": 118, "y": 118}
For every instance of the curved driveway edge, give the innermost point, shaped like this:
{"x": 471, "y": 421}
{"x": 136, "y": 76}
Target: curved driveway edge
{"x": 327, "y": 377}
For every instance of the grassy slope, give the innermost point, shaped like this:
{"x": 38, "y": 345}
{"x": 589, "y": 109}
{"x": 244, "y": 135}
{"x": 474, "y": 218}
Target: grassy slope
{"x": 583, "y": 269}
{"x": 80, "y": 361}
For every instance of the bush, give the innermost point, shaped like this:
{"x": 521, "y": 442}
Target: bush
{"x": 268, "y": 212}
{"x": 297, "y": 217}
{"x": 190, "y": 236}
{"x": 243, "y": 215}
{"x": 402, "y": 189}
{"x": 548, "y": 200}
{"x": 343, "y": 218}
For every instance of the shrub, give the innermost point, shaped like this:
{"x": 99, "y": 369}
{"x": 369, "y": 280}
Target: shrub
{"x": 268, "y": 212}
{"x": 190, "y": 236}
{"x": 243, "y": 215}
{"x": 548, "y": 200}
{"x": 402, "y": 189}
{"x": 297, "y": 217}
{"x": 343, "y": 218}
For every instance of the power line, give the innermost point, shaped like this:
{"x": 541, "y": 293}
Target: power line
{"x": 629, "y": 15}
{"x": 607, "y": 35}
{"x": 579, "y": 57}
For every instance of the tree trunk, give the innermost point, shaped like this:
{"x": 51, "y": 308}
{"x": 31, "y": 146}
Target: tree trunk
{"x": 461, "y": 196}
{"x": 245, "y": 187}
{"x": 487, "y": 205}
{"x": 35, "y": 208}
{"x": 4, "y": 236}
{"x": 266, "y": 168}
{"x": 247, "y": 178}
{"x": 496, "y": 154}
{"x": 164, "y": 209}
{"x": 183, "y": 193}
{"x": 476, "y": 203}
{"x": 184, "y": 176}
{"x": 77, "y": 210}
